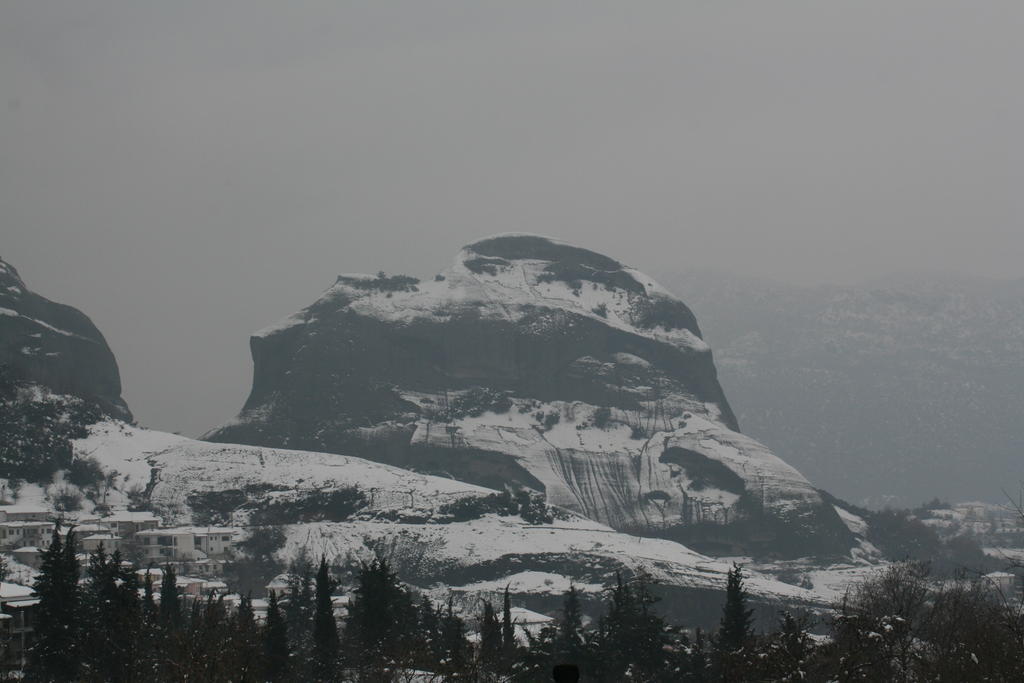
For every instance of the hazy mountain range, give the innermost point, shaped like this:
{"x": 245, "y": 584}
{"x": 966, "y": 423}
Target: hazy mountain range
{"x": 892, "y": 391}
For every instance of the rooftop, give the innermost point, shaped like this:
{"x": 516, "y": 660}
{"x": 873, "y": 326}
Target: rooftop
{"x": 12, "y": 591}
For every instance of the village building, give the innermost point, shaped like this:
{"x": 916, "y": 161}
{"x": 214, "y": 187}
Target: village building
{"x": 91, "y": 543}
{"x": 29, "y": 555}
{"x": 24, "y": 513}
{"x": 17, "y": 613}
{"x": 22, "y": 532}
{"x": 186, "y": 544}
{"x": 126, "y": 524}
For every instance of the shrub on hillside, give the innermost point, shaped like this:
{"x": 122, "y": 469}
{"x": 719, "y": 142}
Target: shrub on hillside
{"x": 336, "y": 505}
{"x": 479, "y": 400}
{"x": 36, "y": 431}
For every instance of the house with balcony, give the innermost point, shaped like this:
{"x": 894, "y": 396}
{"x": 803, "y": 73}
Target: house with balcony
{"x": 186, "y": 544}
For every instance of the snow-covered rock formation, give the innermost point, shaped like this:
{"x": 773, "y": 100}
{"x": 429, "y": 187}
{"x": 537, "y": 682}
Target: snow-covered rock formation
{"x": 530, "y": 362}
{"x": 56, "y": 345}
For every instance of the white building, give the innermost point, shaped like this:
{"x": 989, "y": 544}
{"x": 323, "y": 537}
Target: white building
{"x": 24, "y": 513}
{"x": 186, "y": 544}
{"x": 18, "y": 533}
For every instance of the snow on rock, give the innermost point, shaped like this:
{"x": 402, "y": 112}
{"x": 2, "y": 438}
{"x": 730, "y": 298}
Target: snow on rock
{"x": 56, "y": 346}
{"x": 532, "y": 363}
{"x": 473, "y": 555}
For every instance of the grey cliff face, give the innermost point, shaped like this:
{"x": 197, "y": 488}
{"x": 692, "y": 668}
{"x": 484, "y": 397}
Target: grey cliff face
{"x": 527, "y": 363}
{"x": 56, "y": 346}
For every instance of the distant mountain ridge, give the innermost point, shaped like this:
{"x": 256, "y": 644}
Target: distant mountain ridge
{"x": 56, "y": 345}
{"x": 895, "y": 391}
{"x": 530, "y": 362}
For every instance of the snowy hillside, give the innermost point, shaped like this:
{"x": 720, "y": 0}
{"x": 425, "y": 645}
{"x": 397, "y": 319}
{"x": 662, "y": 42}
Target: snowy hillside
{"x": 404, "y": 514}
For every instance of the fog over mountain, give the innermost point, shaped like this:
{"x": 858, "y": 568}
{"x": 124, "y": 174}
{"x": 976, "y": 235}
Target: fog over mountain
{"x": 893, "y": 391}
{"x": 187, "y": 171}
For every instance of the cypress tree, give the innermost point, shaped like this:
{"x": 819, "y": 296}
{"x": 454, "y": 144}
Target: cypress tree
{"x": 56, "y": 655}
{"x": 508, "y": 633}
{"x": 737, "y": 621}
{"x": 325, "y": 629}
{"x": 149, "y": 609}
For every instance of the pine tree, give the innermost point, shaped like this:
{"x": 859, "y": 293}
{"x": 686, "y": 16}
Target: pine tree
{"x": 490, "y": 638}
{"x": 737, "y": 621}
{"x": 170, "y": 600}
{"x": 56, "y": 655}
{"x": 244, "y": 641}
{"x": 381, "y": 618}
{"x": 699, "y": 658}
{"x": 275, "y": 642}
{"x": 298, "y": 610}
{"x": 111, "y": 606}
{"x": 454, "y": 643}
{"x": 570, "y": 628}
{"x": 428, "y": 634}
{"x": 325, "y": 629}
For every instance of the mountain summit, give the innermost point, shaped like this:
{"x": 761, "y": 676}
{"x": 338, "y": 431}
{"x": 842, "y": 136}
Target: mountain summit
{"x": 534, "y": 363}
{"x": 56, "y": 346}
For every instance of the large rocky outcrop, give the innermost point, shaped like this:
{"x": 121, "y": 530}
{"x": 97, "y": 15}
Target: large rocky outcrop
{"x": 535, "y": 363}
{"x": 56, "y": 346}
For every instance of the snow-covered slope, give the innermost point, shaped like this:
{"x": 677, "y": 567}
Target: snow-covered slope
{"x": 535, "y": 363}
{"x": 402, "y": 514}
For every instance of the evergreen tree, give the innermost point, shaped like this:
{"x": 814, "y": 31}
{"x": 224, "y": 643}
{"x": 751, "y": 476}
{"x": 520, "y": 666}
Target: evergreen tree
{"x": 55, "y": 655}
{"x": 631, "y": 637}
{"x": 276, "y": 650}
{"x": 699, "y": 662}
{"x": 737, "y": 621}
{"x": 570, "y": 628}
{"x": 298, "y": 610}
{"x": 454, "y": 643}
{"x": 508, "y": 633}
{"x": 427, "y": 649}
{"x": 170, "y": 600}
{"x": 244, "y": 640}
{"x": 325, "y": 629}
{"x": 245, "y": 618}
{"x": 381, "y": 618}
{"x": 149, "y": 609}
{"x": 490, "y": 639}
{"x": 113, "y": 612}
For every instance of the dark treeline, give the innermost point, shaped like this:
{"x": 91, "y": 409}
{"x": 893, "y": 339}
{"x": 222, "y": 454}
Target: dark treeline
{"x": 97, "y": 623}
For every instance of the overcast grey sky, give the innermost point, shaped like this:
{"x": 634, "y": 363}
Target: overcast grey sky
{"x": 188, "y": 172}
